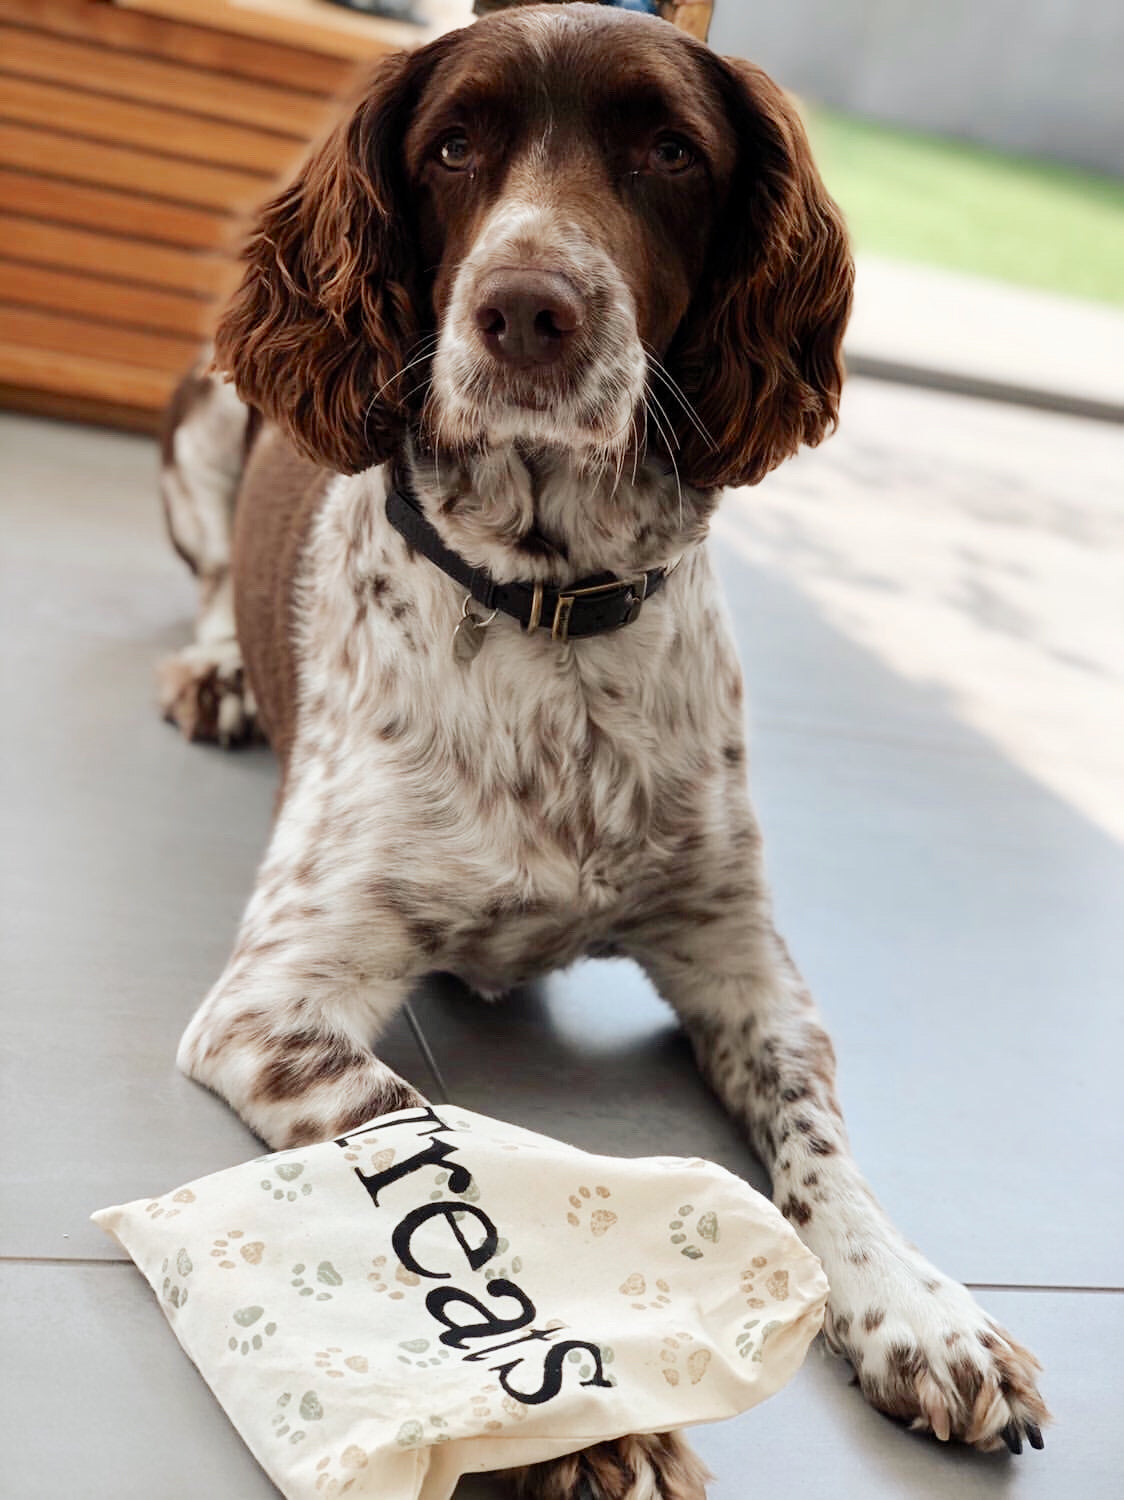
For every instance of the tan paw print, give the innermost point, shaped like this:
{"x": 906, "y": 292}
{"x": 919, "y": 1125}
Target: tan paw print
{"x": 705, "y": 1228}
{"x": 329, "y": 1361}
{"x": 156, "y": 1209}
{"x": 483, "y": 1411}
{"x": 379, "y": 1162}
{"x": 380, "y": 1278}
{"x": 635, "y": 1287}
{"x": 351, "y": 1462}
{"x": 679, "y": 1363}
{"x": 749, "y": 1282}
{"x": 222, "y": 1250}
{"x": 601, "y": 1220}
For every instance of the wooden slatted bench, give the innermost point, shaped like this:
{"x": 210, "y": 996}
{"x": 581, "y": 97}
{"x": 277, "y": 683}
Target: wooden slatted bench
{"x": 134, "y": 139}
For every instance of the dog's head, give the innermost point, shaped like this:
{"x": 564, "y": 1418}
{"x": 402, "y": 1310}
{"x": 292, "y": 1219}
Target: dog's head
{"x": 568, "y": 225}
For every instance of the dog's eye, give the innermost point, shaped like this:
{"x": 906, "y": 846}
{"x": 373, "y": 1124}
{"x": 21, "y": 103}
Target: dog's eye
{"x": 671, "y": 154}
{"x": 454, "y": 152}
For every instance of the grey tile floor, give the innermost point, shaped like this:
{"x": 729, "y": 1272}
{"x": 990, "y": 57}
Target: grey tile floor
{"x": 928, "y": 613}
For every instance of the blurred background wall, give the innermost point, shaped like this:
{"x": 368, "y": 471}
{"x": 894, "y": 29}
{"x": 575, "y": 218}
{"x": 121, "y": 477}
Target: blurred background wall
{"x": 1041, "y": 77}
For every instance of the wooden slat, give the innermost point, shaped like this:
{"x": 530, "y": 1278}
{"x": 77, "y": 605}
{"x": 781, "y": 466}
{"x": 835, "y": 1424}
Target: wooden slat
{"x": 53, "y": 59}
{"x": 114, "y": 302}
{"x": 90, "y": 379}
{"x": 47, "y": 151}
{"x": 114, "y": 256}
{"x": 247, "y": 57}
{"x": 70, "y": 335}
{"x": 108, "y": 210}
{"x": 328, "y": 29}
{"x": 67, "y": 407}
{"x": 170, "y": 132}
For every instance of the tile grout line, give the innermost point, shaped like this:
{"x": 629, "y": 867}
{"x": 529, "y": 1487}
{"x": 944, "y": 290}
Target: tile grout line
{"x": 427, "y": 1053}
{"x": 975, "y": 1286}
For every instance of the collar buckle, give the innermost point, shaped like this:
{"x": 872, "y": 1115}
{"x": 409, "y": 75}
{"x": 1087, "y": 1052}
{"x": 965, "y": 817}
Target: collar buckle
{"x": 636, "y": 592}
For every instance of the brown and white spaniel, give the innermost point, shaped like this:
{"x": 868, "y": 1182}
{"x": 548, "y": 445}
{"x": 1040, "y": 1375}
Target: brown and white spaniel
{"x": 555, "y": 281}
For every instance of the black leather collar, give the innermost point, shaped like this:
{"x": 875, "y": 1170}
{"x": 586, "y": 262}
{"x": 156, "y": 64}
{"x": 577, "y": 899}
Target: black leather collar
{"x": 591, "y": 606}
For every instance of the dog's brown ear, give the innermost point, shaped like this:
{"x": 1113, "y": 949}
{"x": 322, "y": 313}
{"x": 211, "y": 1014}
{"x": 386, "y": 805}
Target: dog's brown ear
{"x": 759, "y": 354}
{"x": 319, "y": 327}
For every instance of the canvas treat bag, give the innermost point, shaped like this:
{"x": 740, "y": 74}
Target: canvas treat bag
{"x": 438, "y": 1293}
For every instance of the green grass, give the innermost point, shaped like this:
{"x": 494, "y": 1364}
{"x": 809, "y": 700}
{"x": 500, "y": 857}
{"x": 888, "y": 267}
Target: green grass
{"x": 922, "y": 198}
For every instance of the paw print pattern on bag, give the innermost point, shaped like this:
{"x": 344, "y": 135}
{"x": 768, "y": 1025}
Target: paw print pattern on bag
{"x": 329, "y": 1361}
{"x": 287, "y": 1171}
{"x": 705, "y": 1229}
{"x": 249, "y": 1317}
{"x": 601, "y": 1220}
{"x": 326, "y": 1275}
{"x": 174, "y": 1290}
{"x": 750, "y": 1341}
{"x": 635, "y": 1287}
{"x": 679, "y": 1364}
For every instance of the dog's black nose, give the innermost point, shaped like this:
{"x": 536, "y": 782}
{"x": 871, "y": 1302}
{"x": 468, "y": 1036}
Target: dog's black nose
{"x": 528, "y": 317}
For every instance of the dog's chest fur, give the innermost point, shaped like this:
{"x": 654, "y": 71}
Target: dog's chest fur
{"x": 515, "y": 811}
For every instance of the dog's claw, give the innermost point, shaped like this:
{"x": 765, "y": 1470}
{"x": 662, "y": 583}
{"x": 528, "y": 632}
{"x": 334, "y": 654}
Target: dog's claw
{"x": 1013, "y": 1438}
{"x": 1034, "y": 1436}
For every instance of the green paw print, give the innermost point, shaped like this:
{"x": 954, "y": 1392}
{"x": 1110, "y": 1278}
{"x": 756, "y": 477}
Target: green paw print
{"x": 175, "y": 1292}
{"x": 410, "y": 1434}
{"x": 283, "y": 1419}
{"x": 471, "y": 1193}
{"x": 751, "y": 1345}
{"x": 586, "y": 1370}
{"x": 326, "y": 1275}
{"x": 287, "y": 1171}
{"x": 421, "y": 1347}
{"x": 706, "y": 1228}
{"x": 247, "y": 1318}
{"x": 499, "y": 1270}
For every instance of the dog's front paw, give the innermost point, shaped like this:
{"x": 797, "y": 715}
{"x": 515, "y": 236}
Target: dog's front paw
{"x": 203, "y": 690}
{"x": 925, "y": 1351}
{"x": 631, "y": 1468}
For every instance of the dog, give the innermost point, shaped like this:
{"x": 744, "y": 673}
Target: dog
{"x": 554, "y": 282}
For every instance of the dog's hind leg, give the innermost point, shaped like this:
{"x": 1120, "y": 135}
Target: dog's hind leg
{"x": 207, "y": 434}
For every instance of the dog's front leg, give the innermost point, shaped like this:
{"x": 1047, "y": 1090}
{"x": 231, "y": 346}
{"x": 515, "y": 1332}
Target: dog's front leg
{"x": 321, "y": 964}
{"x": 922, "y": 1347}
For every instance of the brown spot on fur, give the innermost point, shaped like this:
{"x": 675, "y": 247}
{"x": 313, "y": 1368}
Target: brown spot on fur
{"x": 796, "y": 1210}
{"x": 250, "y": 1028}
{"x": 811, "y": 1178}
{"x": 819, "y": 1147}
{"x": 952, "y": 1338}
{"x": 858, "y": 1256}
{"x": 873, "y": 1318}
{"x": 396, "y": 1093}
{"x": 304, "y": 1059}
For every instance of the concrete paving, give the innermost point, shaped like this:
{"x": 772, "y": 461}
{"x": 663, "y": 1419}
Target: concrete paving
{"x": 928, "y": 610}
{"x": 934, "y": 327}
